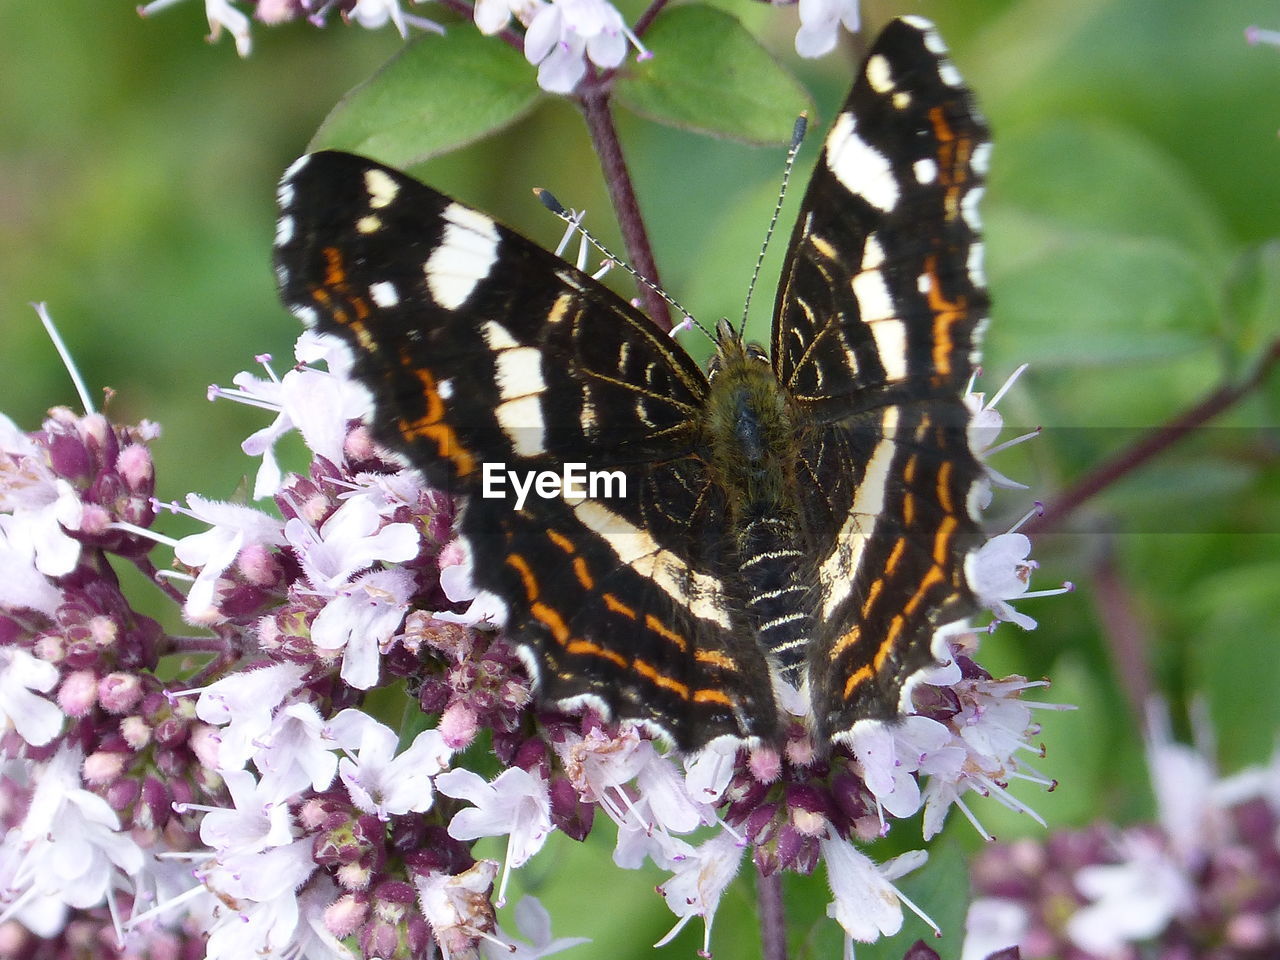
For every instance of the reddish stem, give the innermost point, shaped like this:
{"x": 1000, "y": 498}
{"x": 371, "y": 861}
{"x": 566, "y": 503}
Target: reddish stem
{"x": 593, "y": 98}
{"x": 1150, "y": 446}
{"x": 773, "y": 919}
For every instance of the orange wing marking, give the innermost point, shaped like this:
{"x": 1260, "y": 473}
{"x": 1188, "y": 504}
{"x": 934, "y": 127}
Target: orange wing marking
{"x": 431, "y": 425}
{"x": 660, "y": 679}
{"x": 657, "y": 626}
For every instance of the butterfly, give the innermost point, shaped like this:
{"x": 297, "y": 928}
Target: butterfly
{"x": 670, "y": 543}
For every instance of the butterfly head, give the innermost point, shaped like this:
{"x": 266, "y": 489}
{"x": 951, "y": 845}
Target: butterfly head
{"x": 732, "y": 351}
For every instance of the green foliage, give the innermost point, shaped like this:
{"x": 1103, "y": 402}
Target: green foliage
{"x": 1131, "y": 234}
{"x": 710, "y": 75}
{"x": 437, "y": 94}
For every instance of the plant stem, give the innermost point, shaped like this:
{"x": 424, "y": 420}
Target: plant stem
{"x": 1150, "y": 446}
{"x": 593, "y": 98}
{"x": 1127, "y": 635}
{"x": 646, "y": 19}
{"x": 773, "y": 921}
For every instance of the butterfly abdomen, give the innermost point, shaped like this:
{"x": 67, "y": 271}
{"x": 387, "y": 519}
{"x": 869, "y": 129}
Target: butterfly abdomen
{"x": 751, "y": 433}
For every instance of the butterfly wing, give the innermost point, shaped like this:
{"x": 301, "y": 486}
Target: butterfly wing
{"x": 876, "y": 330}
{"x": 489, "y": 357}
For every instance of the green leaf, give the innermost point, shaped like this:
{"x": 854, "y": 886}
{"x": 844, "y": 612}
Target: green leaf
{"x": 1233, "y": 660}
{"x": 437, "y": 94}
{"x": 1253, "y": 301}
{"x": 710, "y": 75}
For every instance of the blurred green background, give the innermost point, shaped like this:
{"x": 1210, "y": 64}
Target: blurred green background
{"x": 1131, "y": 213}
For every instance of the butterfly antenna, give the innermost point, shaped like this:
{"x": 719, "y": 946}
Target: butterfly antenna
{"x": 554, "y": 205}
{"x": 797, "y": 136}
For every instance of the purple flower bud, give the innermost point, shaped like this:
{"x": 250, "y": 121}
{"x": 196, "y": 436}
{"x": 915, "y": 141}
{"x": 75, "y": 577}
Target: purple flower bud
{"x": 347, "y": 914}
{"x": 123, "y": 793}
{"x": 78, "y": 693}
{"x": 570, "y": 814}
{"x": 119, "y": 692}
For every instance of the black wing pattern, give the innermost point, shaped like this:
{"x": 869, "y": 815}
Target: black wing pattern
{"x": 811, "y": 519}
{"x": 484, "y": 351}
{"x": 876, "y": 330}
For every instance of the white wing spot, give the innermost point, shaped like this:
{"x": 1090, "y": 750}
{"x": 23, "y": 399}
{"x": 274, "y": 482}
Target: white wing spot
{"x": 467, "y": 251}
{"x": 875, "y": 302}
{"x": 382, "y": 189}
{"x": 836, "y": 572}
{"x": 879, "y": 74}
{"x": 902, "y": 100}
{"x": 700, "y": 594}
{"x": 519, "y": 372}
{"x": 521, "y": 421}
{"x": 981, "y": 159}
{"x": 497, "y": 336}
{"x": 969, "y": 208}
{"x": 519, "y": 368}
{"x": 284, "y": 230}
{"x": 308, "y": 315}
{"x": 445, "y": 389}
{"x": 862, "y": 169}
{"x": 384, "y": 294}
{"x": 891, "y": 345}
{"x": 872, "y": 253}
{"x": 949, "y": 74}
{"x": 925, "y": 169}
{"x": 369, "y": 224}
{"x": 977, "y": 275}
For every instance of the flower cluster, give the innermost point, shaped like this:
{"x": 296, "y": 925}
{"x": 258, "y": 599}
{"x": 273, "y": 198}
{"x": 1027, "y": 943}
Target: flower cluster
{"x": 235, "y": 792}
{"x": 560, "y": 36}
{"x": 1202, "y": 881}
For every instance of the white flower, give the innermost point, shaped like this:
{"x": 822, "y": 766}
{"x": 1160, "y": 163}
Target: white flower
{"x": 262, "y": 876}
{"x": 257, "y": 819}
{"x": 457, "y": 906}
{"x": 372, "y": 14}
{"x": 992, "y": 727}
{"x": 866, "y": 904}
{"x": 351, "y": 539}
{"x": 456, "y": 580}
{"x": 699, "y": 882}
{"x": 376, "y": 779}
{"x": 244, "y": 703}
{"x": 38, "y": 503}
{"x": 999, "y": 571}
{"x": 263, "y": 888}
{"x": 1187, "y": 802}
{"x": 533, "y": 922}
{"x": 220, "y": 14}
{"x": 516, "y": 804}
{"x": 888, "y": 754}
{"x": 710, "y": 770}
{"x": 232, "y": 527}
{"x": 317, "y": 403}
{"x": 296, "y": 752}
{"x": 23, "y": 586}
{"x": 75, "y": 851}
{"x": 361, "y": 619}
{"x": 993, "y": 924}
{"x": 36, "y": 719}
{"x": 820, "y": 25}
{"x": 1131, "y": 901}
{"x": 565, "y": 33}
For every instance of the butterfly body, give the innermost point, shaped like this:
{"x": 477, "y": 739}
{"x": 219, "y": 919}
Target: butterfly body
{"x": 805, "y": 515}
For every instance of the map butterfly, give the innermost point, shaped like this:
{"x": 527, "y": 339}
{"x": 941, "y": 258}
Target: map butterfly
{"x": 805, "y": 513}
